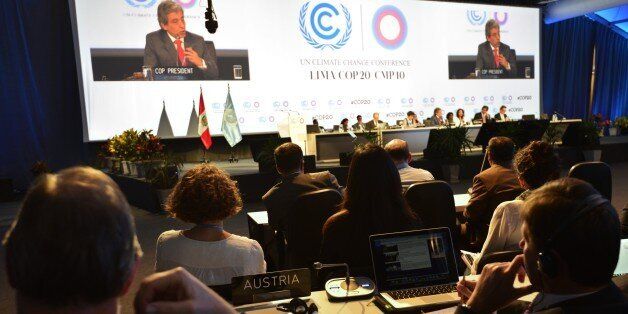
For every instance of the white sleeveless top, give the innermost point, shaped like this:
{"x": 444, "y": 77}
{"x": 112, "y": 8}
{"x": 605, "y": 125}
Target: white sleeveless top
{"x": 213, "y": 263}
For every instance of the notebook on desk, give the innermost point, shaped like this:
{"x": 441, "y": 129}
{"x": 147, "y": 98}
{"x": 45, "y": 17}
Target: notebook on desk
{"x": 415, "y": 269}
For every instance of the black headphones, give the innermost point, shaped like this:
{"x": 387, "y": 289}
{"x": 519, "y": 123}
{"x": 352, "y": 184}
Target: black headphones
{"x": 546, "y": 262}
{"x": 297, "y": 305}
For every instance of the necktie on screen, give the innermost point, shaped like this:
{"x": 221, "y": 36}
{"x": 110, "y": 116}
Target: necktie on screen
{"x": 496, "y": 55}
{"x": 180, "y": 53}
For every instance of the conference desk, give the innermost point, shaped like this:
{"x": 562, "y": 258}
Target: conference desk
{"x": 359, "y": 306}
{"x": 328, "y": 146}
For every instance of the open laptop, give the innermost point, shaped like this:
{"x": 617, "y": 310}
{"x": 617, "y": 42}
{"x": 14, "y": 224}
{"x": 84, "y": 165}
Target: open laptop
{"x": 415, "y": 269}
{"x": 622, "y": 263}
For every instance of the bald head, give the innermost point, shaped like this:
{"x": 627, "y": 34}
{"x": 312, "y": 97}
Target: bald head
{"x": 398, "y": 151}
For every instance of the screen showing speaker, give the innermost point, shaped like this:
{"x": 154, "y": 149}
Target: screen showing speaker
{"x": 324, "y": 59}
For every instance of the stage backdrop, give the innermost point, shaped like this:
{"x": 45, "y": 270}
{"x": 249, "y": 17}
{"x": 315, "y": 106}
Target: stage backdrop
{"x": 324, "y": 59}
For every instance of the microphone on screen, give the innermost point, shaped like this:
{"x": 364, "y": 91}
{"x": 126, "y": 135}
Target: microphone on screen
{"x": 211, "y": 22}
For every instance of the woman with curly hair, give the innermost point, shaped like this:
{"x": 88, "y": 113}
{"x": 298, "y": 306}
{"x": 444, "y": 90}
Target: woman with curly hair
{"x": 535, "y": 164}
{"x": 206, "y": 196}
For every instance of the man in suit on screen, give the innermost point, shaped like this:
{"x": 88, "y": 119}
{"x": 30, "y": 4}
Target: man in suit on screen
{"x": 173, "y": 46}
{"x": 495, "y": 55}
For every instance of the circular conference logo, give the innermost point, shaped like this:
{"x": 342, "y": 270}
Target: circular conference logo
{"x": 501, "y": 18}
{"x": 476, "y": 17}
{"x": 390, "y": 27}
{"x": 186, "y": 4}
{"x": 325, "y": 25}
{"x": 141, "y": 3}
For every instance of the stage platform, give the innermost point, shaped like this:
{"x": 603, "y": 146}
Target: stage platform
{"x": 253, "y": 184}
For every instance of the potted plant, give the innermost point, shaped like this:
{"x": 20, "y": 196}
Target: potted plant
{"x": 164, "y": 177}
{"x": 149, "y": 153}
{"x": 447, "y": 145}
{"x": 621, "y": 125}
{"x": 124, "y": 147}
{"x": 589, "y": 141}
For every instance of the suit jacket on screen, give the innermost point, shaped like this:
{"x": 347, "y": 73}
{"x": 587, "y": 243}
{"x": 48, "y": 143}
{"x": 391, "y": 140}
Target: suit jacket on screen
{"x": 486, "y": 60}
{"x": 161, "y": 52}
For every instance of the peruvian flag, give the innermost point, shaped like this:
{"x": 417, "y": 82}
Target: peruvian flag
{"x": 203, "y": 126}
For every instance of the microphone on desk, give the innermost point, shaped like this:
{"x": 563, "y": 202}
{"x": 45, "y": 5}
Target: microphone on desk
{"x": 342, "y": 289}
{"x": 319, "y": 266}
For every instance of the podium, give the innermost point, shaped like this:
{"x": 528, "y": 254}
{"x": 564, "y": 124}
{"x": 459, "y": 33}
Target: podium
{"x": 522, "y": 132}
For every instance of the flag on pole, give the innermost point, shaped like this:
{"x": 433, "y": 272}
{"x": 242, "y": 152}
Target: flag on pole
{"x": 203, "y": 125}
{"x": 230, "y": 126}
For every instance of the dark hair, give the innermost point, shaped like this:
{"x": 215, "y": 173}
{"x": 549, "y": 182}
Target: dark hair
{"x": 288, "y": 157}
{"x": 589, "y": 245}
{"x": 73, "y": 243}
{"x": 373, "y": 194}
{"x": 450, "y": 114}
{"x": 537, "y": 164}
{"x": 436, "y": 110}
{"x": 459, "y": 109}
{"x": 315, "y": 121}
{"x": 344, "y": 120}
{"x": 502, "y": 107}
{"x": 501, "y": 150}
{"x": 205, "y": 193}
{"x": 358, "y": 117}
{"x": 485, "y": 107}
{"x": 410, "y": 113}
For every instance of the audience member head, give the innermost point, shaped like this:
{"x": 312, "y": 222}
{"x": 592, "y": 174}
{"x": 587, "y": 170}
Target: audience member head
{"x": 491, "y": 30}
{"x": 376, "y": 116}
{"x": 460, "y": 113}
{"x": 398, "y": 151}
{"x": 578, "y": 233}
{"x": 450, "y": 117}
{"x": 502, "y": 109}
{"x": 359, "y": 118}
{"x": 373, "y": 193}
{"x": 500, "y": 151}
{"x": 438, "y": 112}
{"x": 484, "y": 109}
{"x": 289, "y": 158}
{"x": 536, "y": 164}
{"x": 72, "y": 246}
{"x": 205, "y": 194}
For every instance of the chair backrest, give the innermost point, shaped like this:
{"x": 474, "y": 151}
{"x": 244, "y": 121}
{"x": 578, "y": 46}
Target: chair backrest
{"x": 433, "y": 201}
{"x": 597, "y": 173}
{"x": 495, "y": 257}
{"x": 304, "y": 225}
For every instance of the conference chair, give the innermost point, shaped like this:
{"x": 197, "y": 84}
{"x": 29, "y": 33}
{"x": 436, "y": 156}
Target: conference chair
{"x": 597, "y": 173}
{"x": 496, "y": 257}
{"x": 304, "y": 226}
{"x": 433, "y": 202}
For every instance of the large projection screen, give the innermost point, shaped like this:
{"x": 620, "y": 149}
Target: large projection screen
{"x": 325, "y": 60}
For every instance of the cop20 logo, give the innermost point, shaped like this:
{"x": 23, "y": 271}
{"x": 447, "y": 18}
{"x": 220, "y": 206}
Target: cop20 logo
{"x": 326, "y": 22}
{"x": 476, "y": 17}
{"x": 479, "y": 17}
{"x": 141, "y": 3}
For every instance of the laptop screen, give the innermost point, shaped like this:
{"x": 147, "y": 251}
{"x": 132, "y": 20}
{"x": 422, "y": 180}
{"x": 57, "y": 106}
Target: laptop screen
{"x": 413, "y": 259}
{"x": 622, "y": 263}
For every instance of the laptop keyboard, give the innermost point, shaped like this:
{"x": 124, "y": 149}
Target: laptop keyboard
{"x": 423, "y": 291}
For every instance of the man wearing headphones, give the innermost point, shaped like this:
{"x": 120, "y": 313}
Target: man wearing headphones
{"x": 571, "y": 238}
